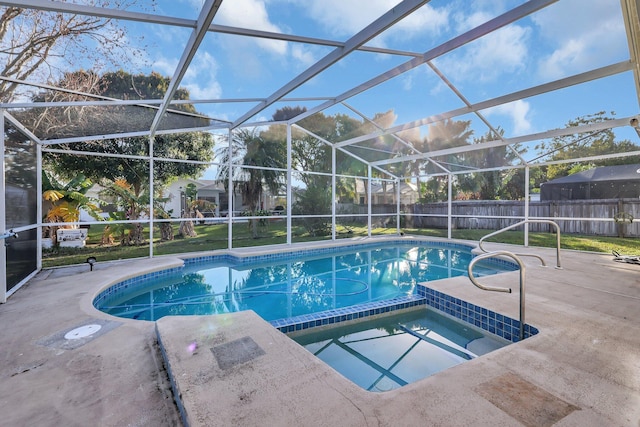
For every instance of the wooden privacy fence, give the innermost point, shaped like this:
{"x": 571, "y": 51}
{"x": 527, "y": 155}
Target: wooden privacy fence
{"x": 589, "y": 217}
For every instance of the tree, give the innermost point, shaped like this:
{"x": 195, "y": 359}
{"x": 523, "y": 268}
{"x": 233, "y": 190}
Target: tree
{"x": 32, "y": 41}
{"x": 286, "y": 113}
{"x": 433, "y": 190}
{"x": 59, "y": 122}
{"x": 189, "y": 210}
{"x": 192, "y": 209}
{"x": 310, "y": 154}
{"x": 486, "y": 185}
{"x": 74, "y": 120}
{"x": 314, "y": 199}
{"x": 248, "y": 147}
{"x": 161, "y": 212}
{"x": 131, "y": 205}
{"x": 68, "y": 199}
{"x": 443, "y": 134}
{"x": 65, "y": 201}
{"x": 582, "y": 146}
{"x": 313, "y": 155}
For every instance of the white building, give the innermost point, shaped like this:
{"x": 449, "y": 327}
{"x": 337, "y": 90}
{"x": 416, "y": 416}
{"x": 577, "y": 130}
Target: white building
{"x": 211, "y": 191}
{"x": 386, "y": 194}
{"x": 206, "y": 189}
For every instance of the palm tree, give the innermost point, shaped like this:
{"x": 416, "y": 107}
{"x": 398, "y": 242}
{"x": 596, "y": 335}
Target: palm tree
{"x": 443, "y": 134}
{"x": 260, "y": 156}
{"x": 193, "y": 209}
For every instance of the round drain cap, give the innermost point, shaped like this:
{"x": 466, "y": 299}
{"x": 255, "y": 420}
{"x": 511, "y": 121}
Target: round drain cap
{"x": 82, "y": 332}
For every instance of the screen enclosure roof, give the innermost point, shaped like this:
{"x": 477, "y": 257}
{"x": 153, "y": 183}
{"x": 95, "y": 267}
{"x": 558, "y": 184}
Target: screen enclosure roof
{"x": 515, "y": 72}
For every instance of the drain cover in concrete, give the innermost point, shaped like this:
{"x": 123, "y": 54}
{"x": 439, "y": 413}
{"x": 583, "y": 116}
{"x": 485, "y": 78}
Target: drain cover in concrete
{"x": 526, "y": 402}
{"x": 82, "y": 332}
{"x": 236, "y": 352}
{"x": 79, "y": 335}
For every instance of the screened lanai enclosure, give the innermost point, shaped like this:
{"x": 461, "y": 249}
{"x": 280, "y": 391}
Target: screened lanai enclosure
{"x": 191, "y": 125}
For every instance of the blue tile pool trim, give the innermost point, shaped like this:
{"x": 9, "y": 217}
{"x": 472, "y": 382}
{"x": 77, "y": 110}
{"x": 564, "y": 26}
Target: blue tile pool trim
{"x": 354, "y": 312}
{"x": 276, "y": 256}
{"x": 119, "y": 287}
{"x": 490, "y": 321}
{"x": 495, "y": 323}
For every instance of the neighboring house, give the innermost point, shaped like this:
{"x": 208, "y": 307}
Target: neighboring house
{"x": 385, "y": 195}
{"x": 211, "y": 191}
{"x": 606, "y": 182}
{"x": 207, "y": 189}
{"x": 94, "y": 193}
{"x": 215, "y": 192}
{"x": 408, "y": 193}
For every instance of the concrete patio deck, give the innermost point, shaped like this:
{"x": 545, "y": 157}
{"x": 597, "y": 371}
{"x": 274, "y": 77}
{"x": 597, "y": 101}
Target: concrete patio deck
{"x": 582, "y": 369}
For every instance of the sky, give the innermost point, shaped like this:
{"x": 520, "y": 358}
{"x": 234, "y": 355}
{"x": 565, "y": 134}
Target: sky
{"x": 569, "y": 37}
{"x": 566, "y": 38}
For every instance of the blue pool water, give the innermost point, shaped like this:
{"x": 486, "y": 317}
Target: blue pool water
{"x": 386, "y": 353}
{"x": 294, "y": 285}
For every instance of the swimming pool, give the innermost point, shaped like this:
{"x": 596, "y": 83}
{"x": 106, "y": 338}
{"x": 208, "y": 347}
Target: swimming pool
{"x": 386, "y": 353}
{"x": 290, "y": 285}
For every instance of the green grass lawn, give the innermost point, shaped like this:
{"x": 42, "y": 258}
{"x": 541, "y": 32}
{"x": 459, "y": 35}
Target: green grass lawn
{"x": 210, "y": 237}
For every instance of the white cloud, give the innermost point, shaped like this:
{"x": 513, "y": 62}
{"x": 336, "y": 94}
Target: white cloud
{"x": 200, "y": 78}
{"x": 211, "y": 91}
{"x": 425, "y": 20}
{"x": 567, "y": 57}
{"x": 489, "y": 57}
{"x": 582, "y": 34}
{"x": 251, "y": 14}
{"x": 518, "y": 112}
{"x": 303, "y": 56}
{"x": 439, "y": 88}
{"x": 247, "y": 14}
{"x": 344, "y": 18}
{"x": 407, "y": 81}
{"x": 165, "y": 66}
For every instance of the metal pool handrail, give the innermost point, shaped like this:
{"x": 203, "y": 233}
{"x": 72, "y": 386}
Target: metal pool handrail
{"x": 528, "y": 221}
{"x": 495, "y": 289}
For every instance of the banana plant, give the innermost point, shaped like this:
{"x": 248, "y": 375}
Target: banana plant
{"x": 65, "y": 201}
{"x": 132, "y": 204}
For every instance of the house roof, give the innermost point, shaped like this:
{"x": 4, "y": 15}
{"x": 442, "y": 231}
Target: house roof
{"x": 601, "y": 174}
{"x": 211, "y": 185}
